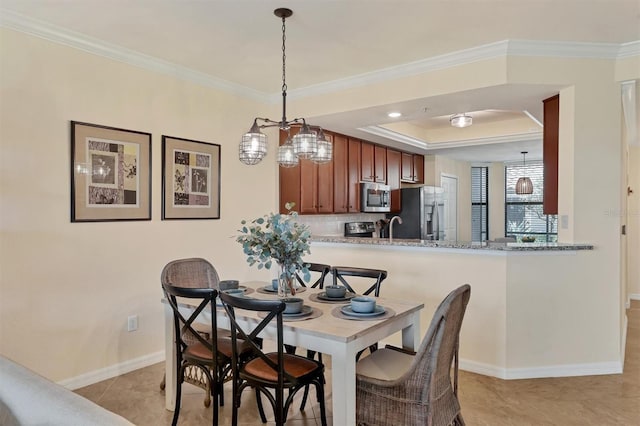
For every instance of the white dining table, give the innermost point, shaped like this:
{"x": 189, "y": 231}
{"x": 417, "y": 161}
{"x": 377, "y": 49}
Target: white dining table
{"x": 340, "y": 338}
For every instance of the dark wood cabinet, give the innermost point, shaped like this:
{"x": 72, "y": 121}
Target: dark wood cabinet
{"x": 367, "y": 162}
{"x": 412, "y": 168}
{"x": 550, "y": 154}
{"x": 394, "y": 166}
{"x": 380, "y": 164}
{"x": 353, "y": 190}
{"x": 334, "y": 187}
{"x": 340, "y": 174}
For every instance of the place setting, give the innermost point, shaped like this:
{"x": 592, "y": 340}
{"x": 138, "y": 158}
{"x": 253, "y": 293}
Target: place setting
{"x": 296, "y": 310}
{"x": 362, "y": 308}
{"x": 332, "y": 294}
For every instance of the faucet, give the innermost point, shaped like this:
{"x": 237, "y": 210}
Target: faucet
{"x": 393, "y": 219}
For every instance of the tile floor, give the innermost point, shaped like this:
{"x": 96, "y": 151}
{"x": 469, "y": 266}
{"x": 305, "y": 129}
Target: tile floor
{"x": 591, "y": 400}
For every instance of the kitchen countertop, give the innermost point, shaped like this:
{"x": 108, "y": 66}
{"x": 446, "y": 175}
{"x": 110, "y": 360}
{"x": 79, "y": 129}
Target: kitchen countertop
{"x": 452, "y": 244}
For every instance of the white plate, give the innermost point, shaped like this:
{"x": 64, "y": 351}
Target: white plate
{"x": 379, "y": 310}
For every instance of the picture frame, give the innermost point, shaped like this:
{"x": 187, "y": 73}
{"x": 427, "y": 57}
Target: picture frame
{"x": 190, "y": 179}
{"x": 110, "y": 173}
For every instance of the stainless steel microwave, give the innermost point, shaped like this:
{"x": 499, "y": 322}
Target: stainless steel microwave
{"x": 375, "y": 198}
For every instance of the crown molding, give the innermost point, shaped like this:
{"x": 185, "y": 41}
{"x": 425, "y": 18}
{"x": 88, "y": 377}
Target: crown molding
{"x": 628, "y": 50}
{"x": 44, "y": 30}
{"x": 420, "y": 143}
{"x": 25, "y": 24}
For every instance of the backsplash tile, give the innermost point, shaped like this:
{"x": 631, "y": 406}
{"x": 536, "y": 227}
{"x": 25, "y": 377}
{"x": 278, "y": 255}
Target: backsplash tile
{"x": 333, "y": 224}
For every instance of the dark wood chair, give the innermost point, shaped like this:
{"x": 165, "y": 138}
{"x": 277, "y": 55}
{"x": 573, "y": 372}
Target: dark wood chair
{"x": 269, "y": 373}
{"x": 398, "y": 388}
{"x": 193, "y": 349}
{"x": 321, "y": 269}
{"x": 343, "y": 274}
{"x": 372, "y": 277}
{"x": 193, "y": 272}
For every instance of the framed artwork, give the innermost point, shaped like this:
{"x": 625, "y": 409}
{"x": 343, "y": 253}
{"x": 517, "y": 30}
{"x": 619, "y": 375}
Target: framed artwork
{"x": 190, "y": 179}
{"x": 110, "y": 173}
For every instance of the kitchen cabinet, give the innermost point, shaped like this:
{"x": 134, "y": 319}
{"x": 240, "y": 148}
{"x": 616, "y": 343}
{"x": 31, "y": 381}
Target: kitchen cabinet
{"x": 380, "y": 164}
{"x": 373, "y": 163}
{"x": 355, "y": 167}
{"x": 316, "y": 186}
{"x": 394, "y": 162}
{"x": 412, "y": 168}
{"x": 340, "y": 174}
{"x": 308, "y": 185}
{"x": 551, "y": 117}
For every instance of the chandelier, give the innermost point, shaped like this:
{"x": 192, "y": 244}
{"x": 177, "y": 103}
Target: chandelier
{"x": 308, "y": 143}
{"x": 524, "y": 186}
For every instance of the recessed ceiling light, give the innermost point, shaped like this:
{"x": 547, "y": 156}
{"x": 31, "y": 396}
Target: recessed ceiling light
{"x": 394, "y": 114}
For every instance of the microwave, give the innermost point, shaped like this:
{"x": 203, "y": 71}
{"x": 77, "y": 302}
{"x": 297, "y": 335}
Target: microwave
{"x": 375, "y": 198}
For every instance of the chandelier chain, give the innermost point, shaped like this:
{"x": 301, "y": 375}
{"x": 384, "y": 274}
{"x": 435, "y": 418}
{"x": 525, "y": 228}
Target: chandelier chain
{"x": 284, "y": 57}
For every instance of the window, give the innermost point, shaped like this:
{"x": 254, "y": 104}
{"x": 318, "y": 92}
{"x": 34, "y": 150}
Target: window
{"x": 479, "y": 203}
{"x": 523, "y": 213}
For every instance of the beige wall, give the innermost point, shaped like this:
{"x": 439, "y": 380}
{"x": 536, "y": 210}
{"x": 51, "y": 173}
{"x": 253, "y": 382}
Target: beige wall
{"x": 633, "y": 223}
{"x": 66, "y": 289}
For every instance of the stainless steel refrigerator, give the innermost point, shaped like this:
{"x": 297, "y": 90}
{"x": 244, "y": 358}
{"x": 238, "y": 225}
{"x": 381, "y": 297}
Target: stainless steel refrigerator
{"x": 422, "y": 214}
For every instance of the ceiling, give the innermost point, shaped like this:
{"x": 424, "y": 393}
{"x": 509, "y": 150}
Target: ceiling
{"x": 238, "y": 42}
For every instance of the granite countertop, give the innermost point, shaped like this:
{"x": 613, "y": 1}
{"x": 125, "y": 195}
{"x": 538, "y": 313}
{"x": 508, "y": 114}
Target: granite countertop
{"x": 452, "y": 244}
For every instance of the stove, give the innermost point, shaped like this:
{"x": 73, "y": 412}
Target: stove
{"x": 359, "y": 229}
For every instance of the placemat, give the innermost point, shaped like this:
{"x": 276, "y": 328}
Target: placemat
{"x": 314, "y": 298}
{"x": 275, "y": 293}
{"x": 336, "y": 312}
{"x": 315, "y": 313}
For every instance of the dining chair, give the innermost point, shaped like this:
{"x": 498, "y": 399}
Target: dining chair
{"x": 373, "y": 276}
{"x": 272, "y": 371}
{"x": 193, "y": 272}
{"x": 319, "y": 268}
{"x": 396, "y": 387}
{"x": 192, "y": 348}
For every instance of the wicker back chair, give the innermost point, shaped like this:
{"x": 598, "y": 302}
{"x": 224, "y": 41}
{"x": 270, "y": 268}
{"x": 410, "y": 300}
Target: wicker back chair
{"x": 193, "y": 272}
{"x": 397, "y": 388}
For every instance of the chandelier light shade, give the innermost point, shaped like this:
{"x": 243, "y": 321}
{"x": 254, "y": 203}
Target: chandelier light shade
{"x": 306, "y": 144}
{"x": 325, "y": 150}
{"x": 524, "y": 186}
{"x": 253, "y": 147}
{"x": 461, "y": 120}
{"x": 286, "y": 156}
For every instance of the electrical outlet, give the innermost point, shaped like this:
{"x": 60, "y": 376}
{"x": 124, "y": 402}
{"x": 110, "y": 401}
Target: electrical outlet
{"x": 132, "y": 323}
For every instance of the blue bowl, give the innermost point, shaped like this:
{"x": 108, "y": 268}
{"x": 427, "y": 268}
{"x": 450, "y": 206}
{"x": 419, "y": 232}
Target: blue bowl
{"x": 234, "y": 292}
{"x": 336, "y": 291}
{"x": 293, "y": 305}
{"x": 363, "y": 305}
{"x": 228, "y": 284}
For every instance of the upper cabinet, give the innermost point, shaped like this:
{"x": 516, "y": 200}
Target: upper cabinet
{"x": 550, "y": 154}
{"x": 334, "y": 187}
{"x": 412, "y": 168}
{"x": 340, "y": 174}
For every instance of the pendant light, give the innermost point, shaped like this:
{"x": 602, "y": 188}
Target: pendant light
{"x": 307, "y": 143}
{"x": 524, "y": 186}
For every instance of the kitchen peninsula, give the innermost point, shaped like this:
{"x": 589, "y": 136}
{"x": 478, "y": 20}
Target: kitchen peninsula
{"x": 532, "y": 305}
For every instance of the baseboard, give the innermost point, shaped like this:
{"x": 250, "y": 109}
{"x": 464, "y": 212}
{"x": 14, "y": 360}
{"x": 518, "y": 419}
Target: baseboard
{"x": 623, "y": 347}
{"x": 96, "y": 376}
{"x": 568, "y": 370}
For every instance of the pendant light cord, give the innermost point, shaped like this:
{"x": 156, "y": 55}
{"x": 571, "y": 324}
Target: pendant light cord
{"x": 284, "y": 76}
